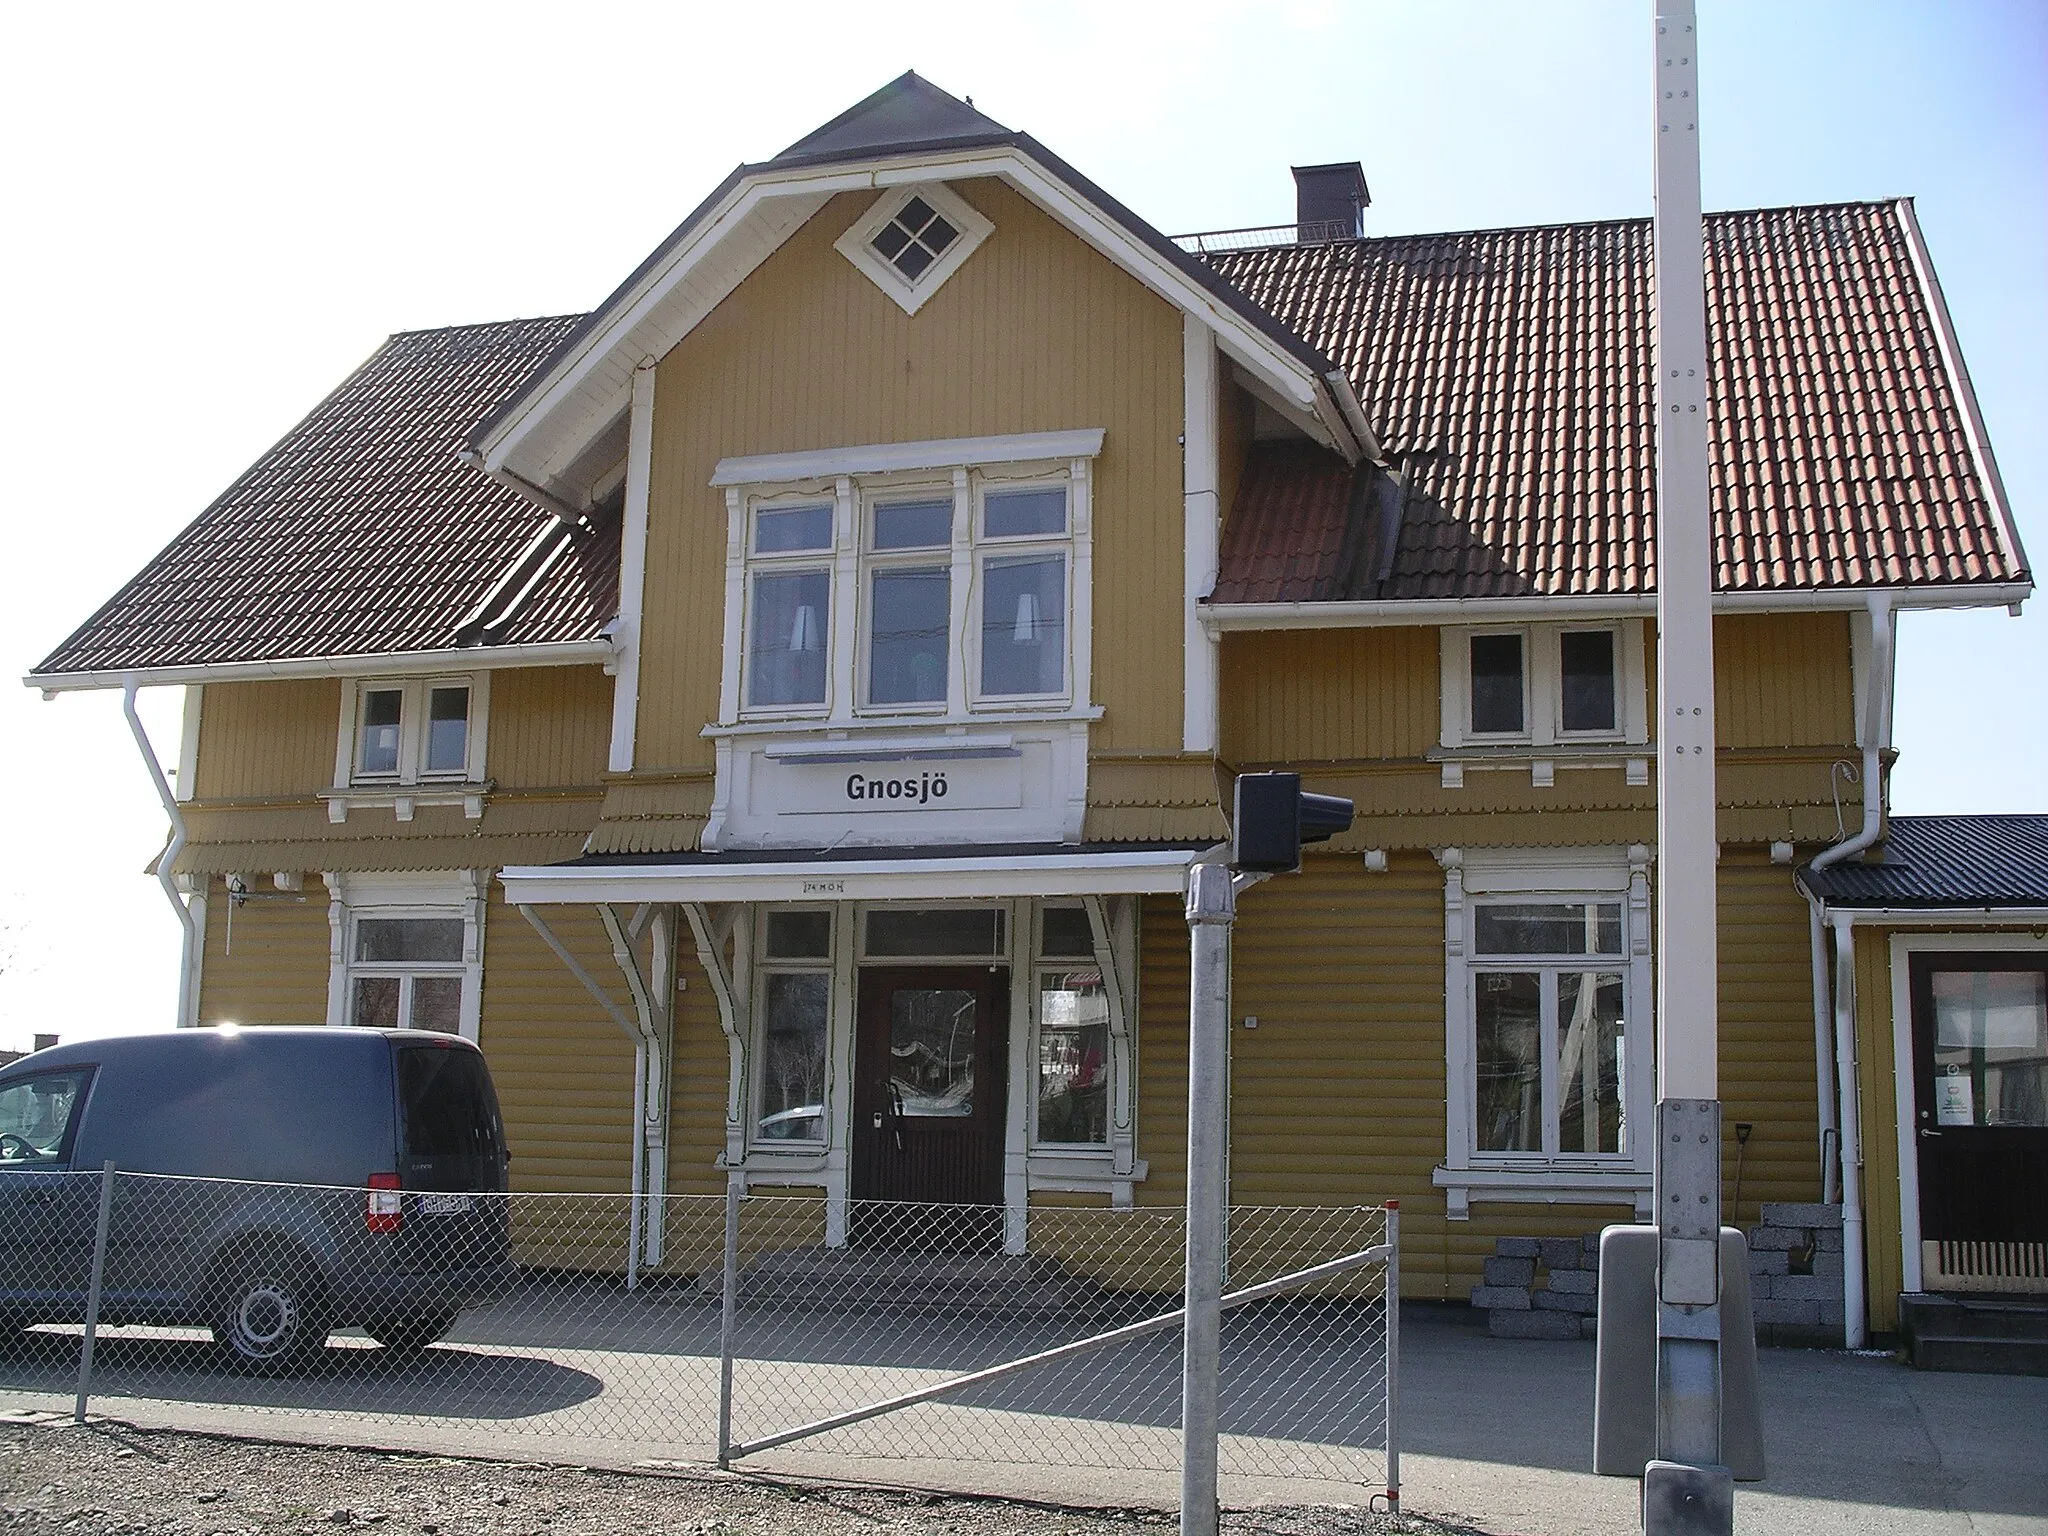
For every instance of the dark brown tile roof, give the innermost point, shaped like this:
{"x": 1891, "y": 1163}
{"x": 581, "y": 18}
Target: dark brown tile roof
{"x": 1509, "y": 373}
{"x": 360, "y": 533}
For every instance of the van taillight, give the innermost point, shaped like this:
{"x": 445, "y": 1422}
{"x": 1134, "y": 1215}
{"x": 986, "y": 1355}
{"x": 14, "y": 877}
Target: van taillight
{"x": 383, "y": 1212}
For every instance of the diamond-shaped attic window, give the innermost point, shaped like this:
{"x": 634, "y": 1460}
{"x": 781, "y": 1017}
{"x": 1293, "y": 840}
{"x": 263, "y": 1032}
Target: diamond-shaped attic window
{"x": 918, "y": 236}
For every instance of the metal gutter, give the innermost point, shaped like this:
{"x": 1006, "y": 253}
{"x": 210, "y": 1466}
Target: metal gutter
{"x": 553, "y": 653}
{"x": 1935, "y": 917}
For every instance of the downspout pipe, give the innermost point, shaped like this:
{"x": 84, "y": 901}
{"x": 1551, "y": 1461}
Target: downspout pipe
{"x": 187, "y": 1003}
{"x": 1824, "y": 1054}
{"x": 1877, "y": 734}
{"x": 1855, "y": 1308}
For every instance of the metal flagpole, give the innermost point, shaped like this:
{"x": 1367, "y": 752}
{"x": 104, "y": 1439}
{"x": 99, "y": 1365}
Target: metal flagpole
{"x": 1687, "y": 1488}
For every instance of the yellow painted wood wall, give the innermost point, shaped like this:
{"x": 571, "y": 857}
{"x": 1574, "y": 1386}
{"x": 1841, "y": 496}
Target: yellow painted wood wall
{"x": 1876, "y": 1089}
{"x": 271, "y": 967}
{"x": 267, "y": 740}
{"x": 550, "y": 728}
{"x": 1035, "y": 333}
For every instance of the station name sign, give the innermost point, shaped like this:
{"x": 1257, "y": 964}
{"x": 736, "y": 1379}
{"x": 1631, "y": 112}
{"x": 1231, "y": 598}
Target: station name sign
{"x": 842, "y": 787}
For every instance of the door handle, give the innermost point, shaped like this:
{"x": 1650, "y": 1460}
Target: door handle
{"x": 1926, "y": 1132}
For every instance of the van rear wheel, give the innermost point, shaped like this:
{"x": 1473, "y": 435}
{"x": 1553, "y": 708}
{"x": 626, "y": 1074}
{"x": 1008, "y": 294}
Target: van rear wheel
{"x": 271, "y": 1316}
{"x": 410, "y": 1335}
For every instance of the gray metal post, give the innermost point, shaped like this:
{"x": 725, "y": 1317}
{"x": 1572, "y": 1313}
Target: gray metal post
{"x": 1211, "y": 908}
{"x": 1393, "y": 1357}
{"x": 92, "y": 1294}
{"x": 728, "y": 1320}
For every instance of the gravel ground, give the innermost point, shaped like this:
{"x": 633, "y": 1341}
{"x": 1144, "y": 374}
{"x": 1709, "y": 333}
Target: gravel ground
{"x": 109, "y": 1479}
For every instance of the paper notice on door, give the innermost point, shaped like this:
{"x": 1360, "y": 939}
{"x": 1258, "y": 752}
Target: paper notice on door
{"x": 1954, "y": 1102}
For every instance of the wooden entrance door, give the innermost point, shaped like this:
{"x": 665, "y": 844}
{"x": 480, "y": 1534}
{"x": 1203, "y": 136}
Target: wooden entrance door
{"x": 930, "y": 1059}
{"x": 1980, "y": 1076}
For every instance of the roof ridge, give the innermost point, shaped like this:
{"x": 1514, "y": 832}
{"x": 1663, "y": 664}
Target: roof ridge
{"x": 485, "y": 325}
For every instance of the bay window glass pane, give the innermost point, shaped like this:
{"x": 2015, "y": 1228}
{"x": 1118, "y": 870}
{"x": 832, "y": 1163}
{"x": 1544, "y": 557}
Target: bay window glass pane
{"x": 1497, "y": 684}
{"x": 1508, "y": 1012}
{"x": 1586, "y": 665}
{"x": 388, "y": 940}
{"x": 910, "y": 615}
{"x": 436, "y": 1004}
{"x": 1024, "y": 625}
{"x": 795, "y": 1014}
{"x": 447, "y": 730}
{"x": 1548, "y": 928}
{"x": 376, "y": 1003}
{"x": 1023, "y": 514}
{"x": 1591, "y": 1059}
{"x": 782, "y": 530}
{"x": 377, "y": 741}
{"x": 1066, "y": 932}
{"x": 786, "y": 639}
{"x": 1990, "y": 1047}
{"x": 914, "y": 524}
{"x": 1073, "y": 1058}
{"x": 799, "y": 935}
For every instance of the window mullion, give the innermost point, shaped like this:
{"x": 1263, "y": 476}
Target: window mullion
{"x": 1547, "y": 1044}
{"x": 847, "y": 598}
{"x": 964, "y": 651}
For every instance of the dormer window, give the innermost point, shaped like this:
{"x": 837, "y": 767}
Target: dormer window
{"x": 912, "y": 239}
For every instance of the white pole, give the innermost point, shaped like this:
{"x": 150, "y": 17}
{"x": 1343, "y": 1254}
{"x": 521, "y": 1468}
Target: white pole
{"x": 1211, "y": 907}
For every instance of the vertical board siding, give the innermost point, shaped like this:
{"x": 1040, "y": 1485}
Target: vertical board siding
{"x": 1766, "y": 1020}
{"x": 267, "y": 740}
{"x": 1339, "y": 695}
{"x": 1878, "y": 1122}
{"x": 564, "y": 1069}
{"x": 1162, "y": 1050}
{"x": 550, "y": 727}
{"x": 696, "y": 1138}
{"x": 1783, "y": 680}
{"x": 1035, "y": 333}
{"x": 271, "y": 968}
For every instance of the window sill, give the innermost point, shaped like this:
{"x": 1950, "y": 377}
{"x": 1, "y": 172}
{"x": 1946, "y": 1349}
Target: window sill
{"x": 850, "y": 725}
{"x": 1080, "y": 1171}
{"x": 1542, "y": 1185}
{"x": 403, "y": 799}
{"x": 1542, "y": 762}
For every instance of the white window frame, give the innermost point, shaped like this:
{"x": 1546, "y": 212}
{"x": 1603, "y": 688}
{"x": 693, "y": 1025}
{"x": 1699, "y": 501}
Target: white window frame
{"x": 410, "y": 785}
{"x": 352, "y": 898}
{"x": 763, "y": 967}
{"x": 908, "y": 293}
{"x": 1482, "y": 876}
{"x": 898, "y": 472}
{"x": 1543, "y": 686}
{"x": 1040, "y": 966}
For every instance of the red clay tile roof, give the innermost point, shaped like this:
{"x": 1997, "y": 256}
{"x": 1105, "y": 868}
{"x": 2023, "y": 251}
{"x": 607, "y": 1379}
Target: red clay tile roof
{"x": 360, "y": 533}
{"x": 1509, "y": 371}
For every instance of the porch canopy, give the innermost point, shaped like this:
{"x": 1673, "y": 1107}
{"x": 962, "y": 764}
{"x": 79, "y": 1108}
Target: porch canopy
{"x": 956, "y": 872}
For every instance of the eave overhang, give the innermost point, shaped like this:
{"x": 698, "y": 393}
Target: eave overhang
{"x": 564, "y": 653}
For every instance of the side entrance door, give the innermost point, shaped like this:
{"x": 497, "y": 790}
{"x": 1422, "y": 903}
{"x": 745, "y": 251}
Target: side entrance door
{"x": 1980, "y": 1046}
{"x": 930, "y": 1065}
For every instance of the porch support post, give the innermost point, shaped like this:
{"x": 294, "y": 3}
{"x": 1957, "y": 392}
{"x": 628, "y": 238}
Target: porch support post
{"x": 710, "y": 937}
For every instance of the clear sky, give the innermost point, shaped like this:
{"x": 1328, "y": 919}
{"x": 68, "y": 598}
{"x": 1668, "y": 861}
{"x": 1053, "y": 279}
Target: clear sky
{"x": 216, "y": 212}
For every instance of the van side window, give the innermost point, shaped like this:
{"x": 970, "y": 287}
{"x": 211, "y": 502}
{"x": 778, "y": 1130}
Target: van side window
{"x": 36, "y": 1116}
{"x": 449, "y": 1108}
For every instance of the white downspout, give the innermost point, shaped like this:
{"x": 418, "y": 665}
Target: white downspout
{"x": 1855, "y": 1333}
{"x": 1876, "y": 733}
{"x": 1824, "y": 1054}
{"x": 188, "y": 1001}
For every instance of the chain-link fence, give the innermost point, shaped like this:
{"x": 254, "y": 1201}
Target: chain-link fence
{"x": 705, "y": 1328}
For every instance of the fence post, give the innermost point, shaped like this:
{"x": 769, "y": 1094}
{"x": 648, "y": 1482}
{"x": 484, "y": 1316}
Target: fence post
{"x": 728, "y": 1320}
{"x": 92, "y": 1294}
{"x": 1393, "y": 1357}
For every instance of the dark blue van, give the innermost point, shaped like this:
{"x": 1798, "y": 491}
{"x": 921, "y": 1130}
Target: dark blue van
{"x": 275, "y": 1184}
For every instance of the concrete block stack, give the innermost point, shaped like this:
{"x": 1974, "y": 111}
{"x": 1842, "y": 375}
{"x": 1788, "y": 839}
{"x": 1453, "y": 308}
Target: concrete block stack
{"x": 1541, "y": 1287}
{"x": 1795, "y": 1274}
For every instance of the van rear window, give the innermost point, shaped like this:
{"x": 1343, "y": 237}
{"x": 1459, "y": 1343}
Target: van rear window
{"x": 449, "y": 1108}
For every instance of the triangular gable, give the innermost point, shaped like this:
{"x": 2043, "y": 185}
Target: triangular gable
{"x": 559, "y": 432}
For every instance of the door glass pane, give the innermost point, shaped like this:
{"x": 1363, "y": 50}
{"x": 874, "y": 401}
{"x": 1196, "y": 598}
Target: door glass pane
{"x": 1991, "y": 1048}
{"x": 376, "y": 1003}
{"x": 1548, "y": 928}
{"x": 787, "y": 529}
{"x": 786, "y": 638}
{"x": 34, "y": 1116}
{"x": 1589, "y": 1063}
{"x": 437, "y": 1004}
{"x": 1497, "y": 684}
{"x": 914, "y": 525}
{"x": 377, "y": 744}
{"x": 1586, "y": 661}
{"x": 931, "y": 1052}
{"x": 1024, "y": 625}
{"x": 795, "y": 1017}
{"x": 1022, "y": 514}
{"x": 1509, "y": 1014}
{"x": 385, "y": 940}
{"x": 447, "y": 730}
{"x": 1073, "y": 1058}
{"x": 909, "y": 620}
{"x": 974, "y": 932}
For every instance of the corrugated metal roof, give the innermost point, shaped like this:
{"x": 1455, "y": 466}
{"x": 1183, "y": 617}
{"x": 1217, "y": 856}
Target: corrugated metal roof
{"x": 1510, "y": 372}
{"x": 359, "y": 532}
{"x": 1945, "y": 861}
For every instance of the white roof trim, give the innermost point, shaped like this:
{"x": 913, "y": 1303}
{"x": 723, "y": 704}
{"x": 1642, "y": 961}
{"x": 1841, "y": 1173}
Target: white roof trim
{"x": 471, "y": 658}
{"x": 1145, "y": 872}
{"x": 884, "y": 458}
{"x": 808, "y": 189}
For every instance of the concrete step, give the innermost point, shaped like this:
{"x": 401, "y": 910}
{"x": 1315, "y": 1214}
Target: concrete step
{"x": 1973, "y": 1317}
{"x": 1983, "y": 1356}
